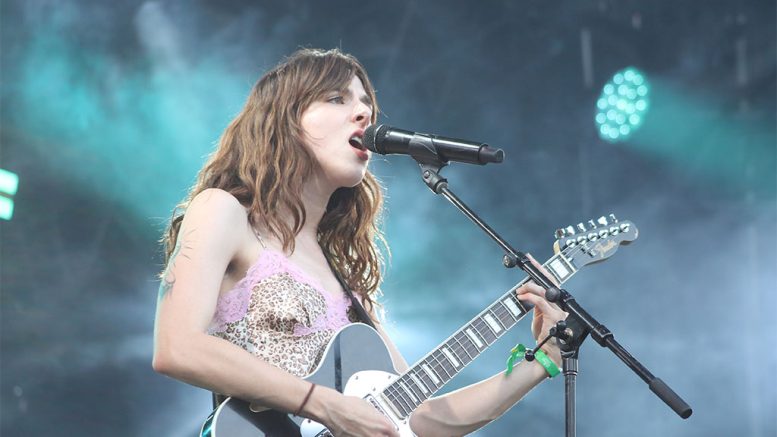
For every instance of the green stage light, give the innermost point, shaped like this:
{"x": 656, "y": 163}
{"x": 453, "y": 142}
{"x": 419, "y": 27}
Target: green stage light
{"x": 9, "y": 183}
{"x": 622, "y": 106}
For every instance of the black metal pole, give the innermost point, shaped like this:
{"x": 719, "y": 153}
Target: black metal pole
{"x": 570, "y": 395}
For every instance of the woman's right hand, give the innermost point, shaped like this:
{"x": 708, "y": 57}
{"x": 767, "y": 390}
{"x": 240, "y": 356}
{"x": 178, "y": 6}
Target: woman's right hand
{"x": 350, "y": 416}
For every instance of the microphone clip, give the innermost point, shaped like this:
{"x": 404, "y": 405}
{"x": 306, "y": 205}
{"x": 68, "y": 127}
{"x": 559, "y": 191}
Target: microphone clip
{"x": 430, "y": 172}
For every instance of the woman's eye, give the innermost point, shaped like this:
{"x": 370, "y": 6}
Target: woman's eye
{"x": 336, "y": 99}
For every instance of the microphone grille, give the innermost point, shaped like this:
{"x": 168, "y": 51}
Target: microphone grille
{"x": 373, "y": 138}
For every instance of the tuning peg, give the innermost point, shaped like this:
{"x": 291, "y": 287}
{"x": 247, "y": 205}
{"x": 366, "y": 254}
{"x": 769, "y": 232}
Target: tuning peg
{"x": 602, "y": 221}
{"x": 613, "y": 219}
{"x": 581, "y": 227}
{"x": 569, "y": 230}
{"x": 591, "y": 224}
{"x": 560, "y": 233}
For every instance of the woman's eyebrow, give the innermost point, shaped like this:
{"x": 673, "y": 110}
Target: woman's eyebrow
{"x": 365, "y": 98}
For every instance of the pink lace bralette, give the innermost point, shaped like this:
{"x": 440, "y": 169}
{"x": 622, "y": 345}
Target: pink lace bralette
{"x": 233, "y": 305}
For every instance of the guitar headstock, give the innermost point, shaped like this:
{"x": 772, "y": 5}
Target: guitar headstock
{"x": 595, "y": 241}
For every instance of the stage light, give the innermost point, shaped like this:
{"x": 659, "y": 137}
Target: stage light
{"x": 621, "y": 108}
{"x": 9, "y": 183}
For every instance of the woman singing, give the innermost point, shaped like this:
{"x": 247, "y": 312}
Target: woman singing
{"x": 250, "y": 297}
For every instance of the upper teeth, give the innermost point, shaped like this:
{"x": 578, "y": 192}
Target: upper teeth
{"x": 357, "y": 139}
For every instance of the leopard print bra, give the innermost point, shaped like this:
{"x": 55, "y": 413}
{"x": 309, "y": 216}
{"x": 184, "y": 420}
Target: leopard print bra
{"x": 280, "y": 314}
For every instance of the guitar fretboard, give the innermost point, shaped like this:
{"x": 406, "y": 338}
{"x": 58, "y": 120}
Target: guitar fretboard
{"x": 437, "y": 368}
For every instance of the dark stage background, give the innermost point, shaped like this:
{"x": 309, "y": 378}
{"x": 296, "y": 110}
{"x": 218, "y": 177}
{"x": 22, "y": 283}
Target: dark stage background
{"x": 109, "y": 108}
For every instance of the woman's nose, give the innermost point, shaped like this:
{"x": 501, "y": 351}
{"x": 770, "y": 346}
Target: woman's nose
{"x": 362, "y": 113}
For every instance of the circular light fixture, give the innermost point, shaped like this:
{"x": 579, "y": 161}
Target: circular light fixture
{"x": 622, "y": 106}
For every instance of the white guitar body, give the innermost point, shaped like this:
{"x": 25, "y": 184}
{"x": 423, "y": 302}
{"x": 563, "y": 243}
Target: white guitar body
{"x": 356, "y": 362}
{"x": 367, "y": 385}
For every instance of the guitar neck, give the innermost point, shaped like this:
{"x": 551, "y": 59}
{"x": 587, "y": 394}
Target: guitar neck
{"x": 437, "y": 368}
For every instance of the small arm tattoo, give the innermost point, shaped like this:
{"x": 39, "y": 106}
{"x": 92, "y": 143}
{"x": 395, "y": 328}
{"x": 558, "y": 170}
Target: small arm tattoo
{"x": 183, "y": 246}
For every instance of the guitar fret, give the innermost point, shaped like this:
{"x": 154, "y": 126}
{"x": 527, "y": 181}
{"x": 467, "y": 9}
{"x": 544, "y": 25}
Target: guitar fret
{"x": 560, "y": 267}
{"x": 405, "y": 397}
{"x": 426, "y": 379}
{"x": 487, "y": 334}
{"x": 492, "y": 323}
{"x": 475, "y": 339}
{"x": 446, "y": 363}
{"x": 461, "y": 337}
{"x": 419, "y": 383}
{"x": 402, "y": 402}
{"x": 395, "y": 404}
{"x": 435, "y": 379}
{"x": 518, "y": 302}
{"x": 553, "y": 273}
{"x": 449, "y": 355}
{"x": 440, "y": 361}
{"x": 505, "y": 317}
{"x": 413, "y": 398}
{"x": 511, "y": 306}
{"x": 459, "y": 351}
{"x": 415, "y": 387}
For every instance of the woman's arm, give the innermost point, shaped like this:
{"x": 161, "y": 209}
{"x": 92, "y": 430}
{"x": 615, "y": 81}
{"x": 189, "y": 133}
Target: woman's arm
{"x": 210, "y": 236}
{"x": 465, "y": 410}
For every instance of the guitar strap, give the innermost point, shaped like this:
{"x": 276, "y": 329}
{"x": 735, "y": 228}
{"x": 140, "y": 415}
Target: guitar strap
{"x": 360, "y": 312}
{"x": 364, "y": 317}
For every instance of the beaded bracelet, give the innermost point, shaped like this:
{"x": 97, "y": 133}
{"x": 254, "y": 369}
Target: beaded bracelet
{"x": 519, "y": 351}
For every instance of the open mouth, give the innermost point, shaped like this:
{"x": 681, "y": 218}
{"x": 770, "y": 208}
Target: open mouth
{"x": 356, "y": 142}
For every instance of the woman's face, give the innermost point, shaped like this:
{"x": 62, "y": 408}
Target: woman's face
{"x": 334, "y": 127}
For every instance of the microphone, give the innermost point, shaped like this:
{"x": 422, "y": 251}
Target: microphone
{"x": 426, "y": 148}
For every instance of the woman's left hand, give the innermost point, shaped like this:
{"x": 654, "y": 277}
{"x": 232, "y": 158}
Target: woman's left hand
{"x": 546, "y": 314}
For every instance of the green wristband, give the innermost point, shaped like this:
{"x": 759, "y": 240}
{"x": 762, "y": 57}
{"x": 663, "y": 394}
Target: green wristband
{"x": 547, "y": 363}
{"x": 515, "y": 354}
{"x": 519, "y": 351}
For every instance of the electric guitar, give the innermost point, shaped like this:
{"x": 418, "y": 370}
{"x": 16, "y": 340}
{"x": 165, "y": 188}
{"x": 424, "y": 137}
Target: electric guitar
{"x": 357, "y": 362}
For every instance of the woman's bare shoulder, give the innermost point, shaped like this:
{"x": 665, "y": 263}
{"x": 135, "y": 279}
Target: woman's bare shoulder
{"x": 216, "y": 208}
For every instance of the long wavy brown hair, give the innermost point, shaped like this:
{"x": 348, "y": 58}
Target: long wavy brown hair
{"x": 260, "y": 160}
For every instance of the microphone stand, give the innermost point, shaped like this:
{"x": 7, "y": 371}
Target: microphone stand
{"x": 578, "y": 325}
